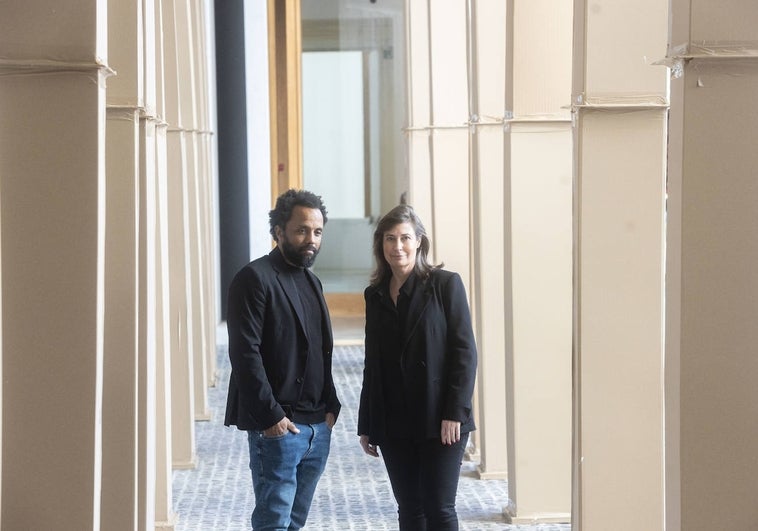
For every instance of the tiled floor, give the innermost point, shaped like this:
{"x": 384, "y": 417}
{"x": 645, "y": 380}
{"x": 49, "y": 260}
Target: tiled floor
{"x": 354, "y": 492}
{"x": 348, "y": 330}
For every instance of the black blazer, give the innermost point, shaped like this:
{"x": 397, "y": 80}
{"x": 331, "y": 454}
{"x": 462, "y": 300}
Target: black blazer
{"x": 268, "y": 346}
{"x": 438, "y": 358}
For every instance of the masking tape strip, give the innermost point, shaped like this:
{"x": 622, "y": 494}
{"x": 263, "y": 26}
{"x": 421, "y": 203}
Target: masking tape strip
{"x": 13, "y": 67}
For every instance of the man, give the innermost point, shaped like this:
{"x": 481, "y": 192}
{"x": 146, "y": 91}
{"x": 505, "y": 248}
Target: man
{"x": 280, "y": 345}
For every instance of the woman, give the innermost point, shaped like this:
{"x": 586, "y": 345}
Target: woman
{"x": 419, "y": 373}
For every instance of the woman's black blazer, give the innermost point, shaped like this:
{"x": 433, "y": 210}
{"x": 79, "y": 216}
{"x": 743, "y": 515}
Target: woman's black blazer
{"x": 438, "y": 358}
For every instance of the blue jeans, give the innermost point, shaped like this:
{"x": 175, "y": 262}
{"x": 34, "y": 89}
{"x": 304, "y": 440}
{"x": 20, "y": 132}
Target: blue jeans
{"x": 424, "y": 478}
{"x": 285, "y": 472}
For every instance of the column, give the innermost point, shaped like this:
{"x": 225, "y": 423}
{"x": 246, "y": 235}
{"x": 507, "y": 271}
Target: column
{"x": 439, "y": 129}
{"x": 164, "y": 461}
{"x": 163, "y": 504}
{"x": 124, "y": 96}
{"x": 440, "y": 187}
{"x": 539, "y": 261}
{"x": 202, "y": 14}
{"x": 52, "y": 231}
{"x": 149, "y": 322}
{"x": 711, "y": 281}
{"x": 456, "y": 158}
{"x": 491, "y": 296}
{"x": 180, "y": 274}
{"x": 620, "y": 111}
{"x": 186, "y": 53}
{"x": 119, "y": 498}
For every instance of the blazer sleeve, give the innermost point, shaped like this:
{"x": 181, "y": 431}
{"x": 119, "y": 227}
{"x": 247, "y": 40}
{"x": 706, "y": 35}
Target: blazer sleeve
{"x": 461, "y": 355}
{"x": 364, "y": 421}
{"x": 245, "y": 320}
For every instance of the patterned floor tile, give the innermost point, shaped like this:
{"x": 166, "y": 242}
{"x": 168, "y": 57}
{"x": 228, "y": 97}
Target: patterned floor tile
{"x": 353, "y": 494}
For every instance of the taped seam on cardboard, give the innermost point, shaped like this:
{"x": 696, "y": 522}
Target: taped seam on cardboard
{"x": 123, "y": 112}
{"x": 747, "y": 49}
{"x": 731, "y": 51}
{"x": 621, "y": 102}
{"x": 13, "y": 67}
{"x": 499, "y": 121}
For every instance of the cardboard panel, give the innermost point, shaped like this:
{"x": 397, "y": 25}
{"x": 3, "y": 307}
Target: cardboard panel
{"x": 491, "y": 300}
{"x": 43, "y": 31}
{"x": 490, "y": 61}
{"x": 418, "y": 63}
{"x": 725, "y": 23}
{"x": 449, "y": 64}
{"x": 450, "y": 222}
{"x": 541, "y": 257}
{"x": 719, "y": 294}
{"x": 125, "y": 54}
{"x": 619, "y": 201}
{"x": 623, "y": 39}
{"x": 53, "y": 235}
{"x": 542, "y": 57}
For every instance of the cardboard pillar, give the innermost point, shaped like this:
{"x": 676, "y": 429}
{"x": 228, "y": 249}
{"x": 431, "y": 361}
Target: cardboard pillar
{"x": 711, "y": 282}
{"x": 52, "y": 232}
{"x": 620, "y": 109}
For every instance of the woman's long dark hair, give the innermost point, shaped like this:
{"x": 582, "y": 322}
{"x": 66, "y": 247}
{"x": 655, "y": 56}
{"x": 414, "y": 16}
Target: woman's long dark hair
{"x": 396, "y": 216}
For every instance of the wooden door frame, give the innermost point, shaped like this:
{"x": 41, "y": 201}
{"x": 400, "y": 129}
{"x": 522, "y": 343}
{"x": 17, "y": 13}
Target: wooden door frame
{"x": 285, "y": 88}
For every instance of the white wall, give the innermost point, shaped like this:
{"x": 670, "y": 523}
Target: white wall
{"x": 258, "y": 126}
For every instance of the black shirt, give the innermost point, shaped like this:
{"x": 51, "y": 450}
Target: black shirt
{"x": 311, "y": 401}
{"x": 394, "y": 323}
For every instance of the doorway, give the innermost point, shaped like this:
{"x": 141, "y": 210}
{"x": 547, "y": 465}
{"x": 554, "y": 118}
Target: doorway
{"x": 353, "y": 114}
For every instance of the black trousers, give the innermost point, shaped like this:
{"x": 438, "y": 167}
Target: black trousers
{"x": 424, "y": 478}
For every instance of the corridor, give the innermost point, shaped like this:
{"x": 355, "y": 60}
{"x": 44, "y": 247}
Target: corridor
{"x": 353, "y": 494}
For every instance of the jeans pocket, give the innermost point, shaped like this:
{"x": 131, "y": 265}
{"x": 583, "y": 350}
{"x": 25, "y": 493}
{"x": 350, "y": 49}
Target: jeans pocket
{"x": 274, "y": 437}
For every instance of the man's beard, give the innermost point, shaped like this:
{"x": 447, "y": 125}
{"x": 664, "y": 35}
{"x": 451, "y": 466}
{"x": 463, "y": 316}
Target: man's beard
{"x": 298, "y": 256}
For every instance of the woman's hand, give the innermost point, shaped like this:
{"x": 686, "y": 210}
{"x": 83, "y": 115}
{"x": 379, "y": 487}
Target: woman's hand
{"x": 370, "y": 449}
{"x": 450, "y": 432}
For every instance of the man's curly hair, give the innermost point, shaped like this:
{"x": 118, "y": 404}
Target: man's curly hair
{"x": 285, "y": 203}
